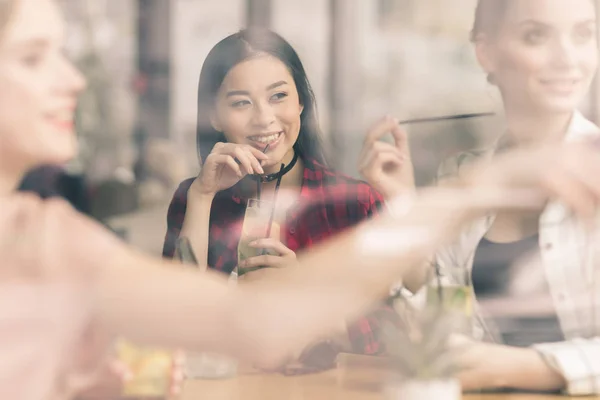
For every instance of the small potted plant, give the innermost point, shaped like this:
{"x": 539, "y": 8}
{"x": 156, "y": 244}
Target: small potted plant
{"x": 423, "y": 354}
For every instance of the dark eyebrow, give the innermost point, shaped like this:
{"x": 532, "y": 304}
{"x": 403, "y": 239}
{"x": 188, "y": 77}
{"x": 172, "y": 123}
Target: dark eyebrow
{"x": 587, "y": 22}
{"x": 33, "y": 43}
{"x": 276, "y": 84}
{"x": 246, "y": 93}
{"x": 237, "y": 93}
{"x": 532, "y": 22}
{"x": 540, "y": 23}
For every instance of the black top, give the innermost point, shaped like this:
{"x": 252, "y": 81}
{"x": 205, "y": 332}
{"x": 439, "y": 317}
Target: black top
{"x": 493, "y": 272}
{"x": 52, "y": 181}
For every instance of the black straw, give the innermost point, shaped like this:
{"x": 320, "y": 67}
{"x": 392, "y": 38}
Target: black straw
{"x": 259, "y": 181}
{"x": 272, "y": 216}
{"x": 438, "y": 277}
{"x": 274, "y": 201}
{"x": 445, "y": 118}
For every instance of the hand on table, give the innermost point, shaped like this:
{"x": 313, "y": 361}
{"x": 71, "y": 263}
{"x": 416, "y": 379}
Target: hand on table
{"x": 494, "y": 366}
{"x": 315, "y": 358}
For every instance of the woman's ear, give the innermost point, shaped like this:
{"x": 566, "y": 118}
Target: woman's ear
{"x": 214, "y": 122}
{"x": 485, "y": 54}
{"x": 301, "y": 108}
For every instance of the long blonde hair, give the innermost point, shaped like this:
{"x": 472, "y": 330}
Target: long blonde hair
{"x": 489, "y": 15}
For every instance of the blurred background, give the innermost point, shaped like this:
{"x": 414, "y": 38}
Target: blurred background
{"x": 365, "y": 59}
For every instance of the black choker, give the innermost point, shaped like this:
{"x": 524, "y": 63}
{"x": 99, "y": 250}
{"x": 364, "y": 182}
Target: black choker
{"x": 276, "y": 175}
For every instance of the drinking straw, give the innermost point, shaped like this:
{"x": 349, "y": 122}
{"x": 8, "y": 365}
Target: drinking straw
{"x": 438, "y": 277}
{"x": 259, "y": 181}
{"x": 445, "y": 118}
{"x": 272, "y": 216}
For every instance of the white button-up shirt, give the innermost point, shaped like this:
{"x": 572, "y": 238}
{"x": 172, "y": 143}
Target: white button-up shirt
{"x": 568, "y": 266}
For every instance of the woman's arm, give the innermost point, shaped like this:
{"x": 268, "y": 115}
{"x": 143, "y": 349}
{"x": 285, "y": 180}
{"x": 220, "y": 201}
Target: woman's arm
{"x": 573, "y": 364}
{"x": 492, "y": 366}
{"x": 189, "y": 215}
{"x": 197, "y": 222}
{"x": 266, "y": 320}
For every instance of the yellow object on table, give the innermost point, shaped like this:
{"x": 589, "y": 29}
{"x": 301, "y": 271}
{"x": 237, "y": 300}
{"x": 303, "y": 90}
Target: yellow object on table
{"x": 151, "y": 370}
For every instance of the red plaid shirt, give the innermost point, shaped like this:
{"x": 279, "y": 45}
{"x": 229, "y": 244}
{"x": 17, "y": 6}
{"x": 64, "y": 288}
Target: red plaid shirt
{"x": 329, "y": 203}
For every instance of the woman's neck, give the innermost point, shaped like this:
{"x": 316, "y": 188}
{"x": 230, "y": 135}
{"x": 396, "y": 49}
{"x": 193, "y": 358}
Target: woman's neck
{"x": 292, "y": 178}
{"x": 286, "y": 160}
{"x": 527, "y": 128}
{"x": 291, "y": 182}
{"x": 9, "y": 181}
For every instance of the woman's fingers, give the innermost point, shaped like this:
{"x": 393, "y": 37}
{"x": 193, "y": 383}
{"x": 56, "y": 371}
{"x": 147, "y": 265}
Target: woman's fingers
{"x": 256, "y": 163}
{"x": 227, "y": 160}
{"x": 383, "y": 172}
{"x": 247, "y": 156}
{"x": 368, "y": 155}
{"x": 258, "y": 154}
{"x": 568, "y": 172}
{"x": 272, "y": 244}
{"x": 243, "y": 158}
{"x": 372, "y": 164}
{"x": 380, "y": 129}
{"x": 576, "y": 194}
{"x": 266, "y": 260}
{"x": 177, "y": 374}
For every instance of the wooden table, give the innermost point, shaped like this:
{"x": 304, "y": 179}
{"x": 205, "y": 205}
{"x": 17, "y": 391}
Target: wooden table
{"x": 331, "y": 385}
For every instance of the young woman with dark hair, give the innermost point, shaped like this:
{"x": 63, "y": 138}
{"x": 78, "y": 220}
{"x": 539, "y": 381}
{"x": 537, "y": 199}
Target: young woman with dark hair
{"x": 257, "y": 112}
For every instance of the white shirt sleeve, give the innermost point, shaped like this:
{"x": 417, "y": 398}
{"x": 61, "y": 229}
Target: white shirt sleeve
{"x": 578, "y": 361}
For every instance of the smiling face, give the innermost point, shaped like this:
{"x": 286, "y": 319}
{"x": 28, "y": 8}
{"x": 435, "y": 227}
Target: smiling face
{"x": 544, "y": 55}
{"x": 258, "y": 104}
{"x": 39, "y": 89}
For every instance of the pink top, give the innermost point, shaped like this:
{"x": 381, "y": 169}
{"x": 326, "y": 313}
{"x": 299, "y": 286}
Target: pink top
{"x": 40, "y": 325}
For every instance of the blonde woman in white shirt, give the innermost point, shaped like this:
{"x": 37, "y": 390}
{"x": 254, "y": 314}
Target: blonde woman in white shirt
{"x": 60, "y": 271}
{"x": 542, "y": 55}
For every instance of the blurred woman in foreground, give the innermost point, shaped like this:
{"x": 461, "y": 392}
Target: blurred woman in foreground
{"x": 66, "y": 273}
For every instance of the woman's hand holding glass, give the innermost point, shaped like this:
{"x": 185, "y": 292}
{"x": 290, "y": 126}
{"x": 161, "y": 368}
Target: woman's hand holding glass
{"x": 276, "y": 255}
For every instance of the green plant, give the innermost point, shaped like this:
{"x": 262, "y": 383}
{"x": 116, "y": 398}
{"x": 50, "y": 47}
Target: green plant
{"x": 423, "y": 347}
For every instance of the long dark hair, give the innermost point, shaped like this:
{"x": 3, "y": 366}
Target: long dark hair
{"x": 241, "y": 46}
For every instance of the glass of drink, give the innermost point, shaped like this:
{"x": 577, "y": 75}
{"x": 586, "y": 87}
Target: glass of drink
{"x": 151, "y": 371}
{"x": 450, "y": 291}
{"x": 258, "y": 224}
{"x": 205, "y": 365}
{"x": 202, "y": 365}
{"x": 209, "y": 366}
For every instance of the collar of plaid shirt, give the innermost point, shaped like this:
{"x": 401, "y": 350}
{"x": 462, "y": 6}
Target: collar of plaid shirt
{"x": 562, "y": 244}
